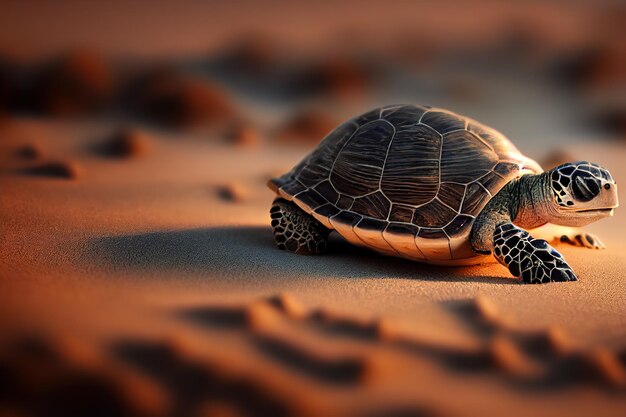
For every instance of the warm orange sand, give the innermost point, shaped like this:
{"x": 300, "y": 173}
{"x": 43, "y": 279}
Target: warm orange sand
{"x": 139, "y": 264}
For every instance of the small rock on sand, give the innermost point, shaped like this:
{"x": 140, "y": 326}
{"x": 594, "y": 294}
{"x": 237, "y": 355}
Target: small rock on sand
{"x": 232, "y": 192}
{"x": 252, "y": 54}
{"x": 77, "y": 83}
{"x": 179, "y": 101}
{"x": 127, "y": 143}
{"x": 288, "y": 304}
{"x": 56, "y": 169}
{"x": 334, "y": 77}
{"x": 309, "y": 126}
{"x": 260, "y": 316}
{"x": 29, "y": 152}
{"x": 242, "y": 135}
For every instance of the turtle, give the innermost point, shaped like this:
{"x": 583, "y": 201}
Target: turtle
{"x": 427, "y": 184}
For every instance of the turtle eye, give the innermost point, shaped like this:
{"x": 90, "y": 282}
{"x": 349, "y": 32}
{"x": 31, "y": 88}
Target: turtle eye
{"x": 585, "y": 186}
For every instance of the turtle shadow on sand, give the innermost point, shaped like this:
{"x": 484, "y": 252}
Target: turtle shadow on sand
{"x": 244, "y": 252}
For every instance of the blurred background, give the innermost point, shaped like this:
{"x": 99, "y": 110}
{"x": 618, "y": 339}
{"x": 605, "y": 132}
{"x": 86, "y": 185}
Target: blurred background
{"x": 542, "y": 73}
{"x": 135, "y": 140}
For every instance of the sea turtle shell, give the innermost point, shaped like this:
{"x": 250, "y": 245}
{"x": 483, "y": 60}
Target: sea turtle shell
{"x": 405, "y": 180}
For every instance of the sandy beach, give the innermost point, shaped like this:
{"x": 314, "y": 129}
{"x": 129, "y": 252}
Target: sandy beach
{"x": 139, "y": 250}
{"x": 138, "y": 272}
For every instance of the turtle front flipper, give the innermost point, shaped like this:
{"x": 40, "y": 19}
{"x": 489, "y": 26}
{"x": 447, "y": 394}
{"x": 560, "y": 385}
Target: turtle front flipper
{"x": 532, "y": 260}
{"x": 296, "y": 231}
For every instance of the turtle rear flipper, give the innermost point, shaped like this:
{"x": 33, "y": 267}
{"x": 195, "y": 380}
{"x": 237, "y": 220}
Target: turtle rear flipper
{"x": 576, "y": 237}
{"x": 296, "y": 231}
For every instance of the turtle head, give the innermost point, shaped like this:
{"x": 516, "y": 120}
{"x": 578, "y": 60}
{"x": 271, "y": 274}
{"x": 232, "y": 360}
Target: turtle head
{"x": 582, "y": 192}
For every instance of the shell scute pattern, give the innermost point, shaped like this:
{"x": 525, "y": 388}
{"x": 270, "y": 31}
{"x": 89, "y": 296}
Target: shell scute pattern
{"x": 475, "y": 198}
{"x": 359, "y": 165}
{"x": 347, "y": 218}
{"x": 464, "y": 159}
{"x": 311, "y": 199}
{"x": 401, "y": 237}
{"x": 451, "y": 194}
{"x": 431, "y": 233}
{"x": 325, "y": 212}
{"x": 433, "y": 214}
{"x": 344, "y": 223}
{"x": 402, "y": 229}
{"x": 406, "y": 180}
{"x": 326, "y": 190}
{"x": 401, "y": 213}
{"x": 460, "y": 224}
{"x": 490, "y": 180}
{"x": 414, "y": 153}
{"x": 443, "y": 121}
{"x": 370, "y": 232}
{"x": 403, "y": 117}
{"x": 374, "y": 205}
{"x": 344, "y": 202}
{"x": 504, "y": 169}
{"x": 292, "y": 188}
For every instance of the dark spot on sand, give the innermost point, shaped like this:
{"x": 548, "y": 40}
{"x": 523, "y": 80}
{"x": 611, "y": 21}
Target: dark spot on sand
{"x": 232, "y": 192}
{"x": 307, "y": 126}
{"x": 29, "y": 152}
{"x": 126, "y": 143}
{"x": 181, "y": 101}
{"x": 77, "y": 83}
{"x": 242, "y": 135}
{"x": 60, "y": 169}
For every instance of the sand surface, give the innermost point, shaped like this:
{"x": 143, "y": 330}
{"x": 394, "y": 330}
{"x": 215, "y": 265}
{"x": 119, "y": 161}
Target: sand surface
{"x": 142, "y": 257}
{"x": 139, "y": 277}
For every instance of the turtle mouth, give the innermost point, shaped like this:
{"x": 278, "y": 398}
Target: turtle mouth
{"x": 607, "y": 210}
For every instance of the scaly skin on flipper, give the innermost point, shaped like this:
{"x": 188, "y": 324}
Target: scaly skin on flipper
{"x": 296, "y": 231}
{"x": 532, "y": 260}
{"x": 519, "y": 201}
